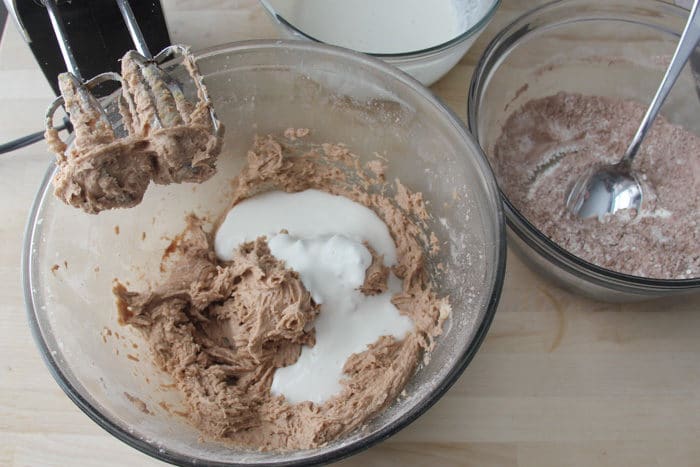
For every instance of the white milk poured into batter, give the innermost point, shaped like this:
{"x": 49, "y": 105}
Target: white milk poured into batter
{"x": 325, "y": 246}
{"x": 384, "y": 26}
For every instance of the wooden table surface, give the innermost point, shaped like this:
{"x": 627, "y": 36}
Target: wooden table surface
{"x": 559, "y": 381}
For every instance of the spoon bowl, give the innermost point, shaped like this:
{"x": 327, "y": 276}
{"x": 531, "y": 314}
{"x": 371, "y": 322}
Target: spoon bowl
{"x": 604, "y": 190}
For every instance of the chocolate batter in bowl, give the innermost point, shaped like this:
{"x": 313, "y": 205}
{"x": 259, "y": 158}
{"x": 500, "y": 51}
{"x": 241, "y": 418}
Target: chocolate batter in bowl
{"x": 261, "y": 88}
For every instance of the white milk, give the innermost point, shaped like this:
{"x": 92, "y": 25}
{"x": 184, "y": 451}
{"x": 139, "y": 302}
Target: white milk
{"x": 382, "y": 26}
{"x": 325, "y": 246}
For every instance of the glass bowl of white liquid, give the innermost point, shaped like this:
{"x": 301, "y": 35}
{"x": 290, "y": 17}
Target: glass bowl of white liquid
{"x": 423, "y": 38}
{"x": 263, "y": 87}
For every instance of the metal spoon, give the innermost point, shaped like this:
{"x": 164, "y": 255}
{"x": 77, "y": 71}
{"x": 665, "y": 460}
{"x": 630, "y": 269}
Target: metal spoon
{"x": 609, "y": 188}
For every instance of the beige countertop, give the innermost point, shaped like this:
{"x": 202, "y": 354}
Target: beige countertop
{"x": 559, "y": 381}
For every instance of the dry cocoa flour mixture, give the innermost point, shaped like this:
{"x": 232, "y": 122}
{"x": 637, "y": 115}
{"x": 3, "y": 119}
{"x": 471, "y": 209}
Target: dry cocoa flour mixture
{"x": 221, "y": 329}
{"x": 547, "y": 144}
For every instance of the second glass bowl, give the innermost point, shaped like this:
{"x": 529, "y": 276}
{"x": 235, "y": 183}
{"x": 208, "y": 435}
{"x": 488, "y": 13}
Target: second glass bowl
{"x": 617, "y": 48}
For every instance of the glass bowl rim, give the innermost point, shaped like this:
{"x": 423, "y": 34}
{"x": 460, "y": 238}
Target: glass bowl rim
{"x": 396, "y": 56}
{"x": 488, "y": 65}
{"x": 165, "y": 454}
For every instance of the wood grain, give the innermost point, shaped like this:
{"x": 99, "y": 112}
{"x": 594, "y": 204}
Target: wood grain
{"x": 559, "y": 381}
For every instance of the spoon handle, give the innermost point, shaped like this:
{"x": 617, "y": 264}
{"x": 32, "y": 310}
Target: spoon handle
{"x": 686, "y": 46}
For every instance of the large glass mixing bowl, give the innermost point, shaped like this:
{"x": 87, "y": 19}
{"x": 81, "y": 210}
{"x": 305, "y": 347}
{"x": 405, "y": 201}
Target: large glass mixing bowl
{"x": 71, "y": 258}
{"x": 616, "y": 48}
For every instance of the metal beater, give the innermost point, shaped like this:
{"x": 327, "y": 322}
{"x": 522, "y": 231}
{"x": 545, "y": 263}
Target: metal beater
{"x": 148, "y": 87}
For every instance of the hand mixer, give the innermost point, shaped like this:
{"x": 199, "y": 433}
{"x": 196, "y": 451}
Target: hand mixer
{"x": 150, "y": 84}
